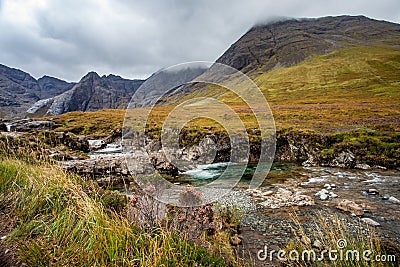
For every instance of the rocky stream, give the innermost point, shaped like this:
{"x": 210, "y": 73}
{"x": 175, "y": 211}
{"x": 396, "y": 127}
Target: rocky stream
{"x": 364, "y": 197}
{"x": 365, "y": 200}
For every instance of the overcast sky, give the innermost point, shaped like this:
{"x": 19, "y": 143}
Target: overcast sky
{"x": 68, "y": 38}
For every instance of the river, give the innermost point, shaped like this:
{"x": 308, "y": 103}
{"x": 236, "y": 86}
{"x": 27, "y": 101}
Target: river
{"x": 273, "y": 225}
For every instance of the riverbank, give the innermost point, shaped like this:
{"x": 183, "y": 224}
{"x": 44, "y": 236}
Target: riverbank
{"x": 283, "y": 211}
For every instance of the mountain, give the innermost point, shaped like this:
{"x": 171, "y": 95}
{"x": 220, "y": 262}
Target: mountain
{"x": 160, "y": 83}
{"x": 289, "y": 42}
{"x": 51, "y": 86}
{"x": 91, "y": 93}
{"x": 299, "y": 60}
{"x": 19, "y": 90}
{"x": 283, "y": 44}
{"x": 20, "y": 93}
{"x": 326, "y": 74}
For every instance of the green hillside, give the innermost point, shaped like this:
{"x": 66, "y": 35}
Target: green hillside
{"x": 351, "y": 88}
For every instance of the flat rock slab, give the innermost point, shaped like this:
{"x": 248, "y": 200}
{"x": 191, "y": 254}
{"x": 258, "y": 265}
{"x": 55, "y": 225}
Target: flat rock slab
{"x": 350, "y": 206}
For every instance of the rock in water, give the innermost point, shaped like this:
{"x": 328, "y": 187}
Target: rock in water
{"x": 324, "y": 196}
{"x": 362, "y": 166}
{"x": 372, "y": 191}
{"x": 333, "y": 195}
{"x": 327, "y": 187}
{"x": 95, "y": 144}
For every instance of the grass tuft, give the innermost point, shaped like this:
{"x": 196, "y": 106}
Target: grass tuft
{"x": 61, "y": 225}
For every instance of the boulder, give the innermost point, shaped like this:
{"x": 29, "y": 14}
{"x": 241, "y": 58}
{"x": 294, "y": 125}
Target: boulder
{"x": 283, "y": 197}
{"x": 95, "y": 144}
{"x": 333, "y": 195}
{"x": 394, "y": 200}
{"x": 72, "y": 141}
{"x": 372, "y": 191}
{"x": 327, "y": 186}
{"x": 350, "y": 206}
{"x": 97, "y": 166}
{"x": 324, "y": 194}
{"x": 362, "y": 166}
{"x": 370, "y": 222}
{"x": 138, "y": 163}
{"x": 345, "y": 159}
{"x": 27, "y": 125}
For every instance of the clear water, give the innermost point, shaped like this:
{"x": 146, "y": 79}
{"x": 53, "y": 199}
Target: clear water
{"x": 204, "y": 174}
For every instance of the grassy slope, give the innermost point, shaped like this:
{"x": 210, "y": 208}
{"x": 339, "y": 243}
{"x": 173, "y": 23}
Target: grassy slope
{"x": 97, "y": 124}
{"x": 348, "y": 89}
{"x": 59, "y": 224}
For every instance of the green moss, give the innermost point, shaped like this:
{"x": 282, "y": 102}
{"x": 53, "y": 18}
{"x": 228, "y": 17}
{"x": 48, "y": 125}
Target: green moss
{"x": 371, "y": 147}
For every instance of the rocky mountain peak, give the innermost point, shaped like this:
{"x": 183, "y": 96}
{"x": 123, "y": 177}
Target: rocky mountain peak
{"x": 91, "y": 93}
{"x": 92, "y": 76}
{"x": 288, "y": 42}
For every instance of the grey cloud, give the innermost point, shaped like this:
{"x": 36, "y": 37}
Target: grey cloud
{"x": 67, "y": 39}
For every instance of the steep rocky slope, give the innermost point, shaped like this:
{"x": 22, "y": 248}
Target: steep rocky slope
{"x": 50, "y": 86}
{"x": 19, "y": 90}
{"x": 91, "y": 93}
{"x": 289, "y": 42}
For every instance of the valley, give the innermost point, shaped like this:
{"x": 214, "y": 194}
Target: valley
{"x": 332, "y": 85}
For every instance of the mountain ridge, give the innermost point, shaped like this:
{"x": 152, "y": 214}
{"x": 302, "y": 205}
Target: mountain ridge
{"x": 21, "y": 94}
{"x": 91, "y": 93}
{"x": 263, "y": 48}
{"x": 19, "y": 90}
{"x": 288, "y": 42}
